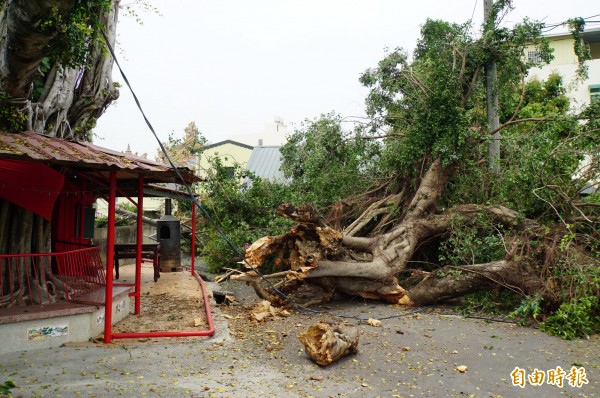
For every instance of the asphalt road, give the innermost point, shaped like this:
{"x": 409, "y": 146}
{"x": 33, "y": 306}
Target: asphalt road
{"x": 409, "y": 355}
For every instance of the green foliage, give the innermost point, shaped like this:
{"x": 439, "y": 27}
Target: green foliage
{"x": 184, "y": 207}
{"x": 577, "y": 284}
{"x": 493, "y": 302}
{"x": 84, "y": 129}
{"x": 128, "y": 206}
{"x": 6, "y": 387}
{"x": 576, "y": 318}
{"x": 12, "y": 118}
{"x": 533, "y": 154}
{"x": 530, "y": 307}
{"x": 77, "y": 31}
{"x": 581, "y": 49}
{"x": 40, "y": 80}
{"x": 473, "y": 242}
{"x": 434, "y": 104}
{"x": 102, "y": 222}
{"x": 423, "y": 102}
{"x": 242, "y": 207}
{"x": 133, "y": 10}
{"x": 326, "y": 163}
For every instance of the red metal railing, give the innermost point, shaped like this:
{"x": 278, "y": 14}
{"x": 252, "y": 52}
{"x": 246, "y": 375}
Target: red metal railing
{"x": 33, "y": 279}
{"x": 82, "y": 271}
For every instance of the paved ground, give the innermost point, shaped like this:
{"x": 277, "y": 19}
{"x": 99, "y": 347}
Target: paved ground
{"x": 412, "y": 354}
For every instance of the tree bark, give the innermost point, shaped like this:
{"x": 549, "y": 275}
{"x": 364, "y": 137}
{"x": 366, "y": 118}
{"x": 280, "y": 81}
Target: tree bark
{"x": 325, "y": 343}
{"x": 96, "y": 90}
{"x": 23, "y": 44}
{"x": 451, "y": 282}
{"x": 72, "y": 98}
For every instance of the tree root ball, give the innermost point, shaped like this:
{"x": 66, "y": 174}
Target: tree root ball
{"x": 325, "y": 343}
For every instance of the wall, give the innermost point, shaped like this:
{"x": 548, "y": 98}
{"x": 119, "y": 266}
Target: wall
{"x": 273, "y": 134}
{"x": 75, "y": 327}
{"x": 577, "y": 91}
{"x": 565, "y": 64}
{"x": 229, "y": 154}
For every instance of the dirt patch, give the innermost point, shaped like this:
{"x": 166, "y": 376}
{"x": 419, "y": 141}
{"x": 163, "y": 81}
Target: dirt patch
{"x": 174, "y": 303}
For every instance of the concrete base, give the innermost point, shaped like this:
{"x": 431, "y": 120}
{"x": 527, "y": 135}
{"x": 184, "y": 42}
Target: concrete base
{"x": 52, "y": 325}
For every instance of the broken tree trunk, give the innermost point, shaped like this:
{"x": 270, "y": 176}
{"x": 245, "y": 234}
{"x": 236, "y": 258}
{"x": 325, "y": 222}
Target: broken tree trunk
{"x": 325, "y": 343}
{"x": 132, "y": 216}
{"x": 318, "y": 261}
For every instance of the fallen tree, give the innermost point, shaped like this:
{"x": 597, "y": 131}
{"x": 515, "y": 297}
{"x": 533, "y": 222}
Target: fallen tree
{"x": 316, "y": 262}
{"x": 431, "y": 222}
{"x": 316, "y": 257}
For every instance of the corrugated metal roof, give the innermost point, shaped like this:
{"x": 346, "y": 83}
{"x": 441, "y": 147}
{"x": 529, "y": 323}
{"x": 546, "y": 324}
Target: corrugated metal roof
{"x": 265, "y": 162}
{"x": 84, "y": 155}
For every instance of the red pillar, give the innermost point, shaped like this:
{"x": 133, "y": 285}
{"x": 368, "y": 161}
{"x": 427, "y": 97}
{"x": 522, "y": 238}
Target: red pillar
{"x": 110, "y": 255}
{"x": 139, "y": 239}
{"x": 81, "y": 216}
{"x": 193, "y": 236}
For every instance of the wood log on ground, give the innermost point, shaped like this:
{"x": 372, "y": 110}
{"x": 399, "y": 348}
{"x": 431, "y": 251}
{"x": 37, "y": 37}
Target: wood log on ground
{"x": 325, "y": 343}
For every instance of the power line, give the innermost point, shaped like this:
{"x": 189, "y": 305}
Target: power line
{"x": 203, "y": 210}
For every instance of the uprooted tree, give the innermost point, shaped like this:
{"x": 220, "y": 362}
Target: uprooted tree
{"x": 434, "y": 223}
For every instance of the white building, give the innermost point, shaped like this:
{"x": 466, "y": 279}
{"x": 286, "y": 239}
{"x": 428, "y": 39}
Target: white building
{"x": 273, "y": 134}
{"x": 565, "y": 64}
{"x": 580, "y": 92}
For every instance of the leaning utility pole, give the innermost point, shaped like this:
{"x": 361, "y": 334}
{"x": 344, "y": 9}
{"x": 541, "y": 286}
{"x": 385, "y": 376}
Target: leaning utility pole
{"x": 491, "y": 99}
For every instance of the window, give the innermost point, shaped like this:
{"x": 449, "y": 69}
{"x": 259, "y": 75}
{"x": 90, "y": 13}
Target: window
{"x": 534, "y": 56}
{"x": 229, "y": 171}
{"x": 594, "y": 93}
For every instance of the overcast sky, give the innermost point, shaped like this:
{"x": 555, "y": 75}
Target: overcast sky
{"x": 234, "y": 65}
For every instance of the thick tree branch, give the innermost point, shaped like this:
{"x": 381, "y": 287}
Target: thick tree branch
{"x": 530, "y": 119}
{"x": 377, "y": 269}
{"x": 358, "y": 243}
{"x": 132, "y": 216}
{"x": 472, "y": 85}
{"x": 431, "y": 187}
{"x": 450, "y": 282}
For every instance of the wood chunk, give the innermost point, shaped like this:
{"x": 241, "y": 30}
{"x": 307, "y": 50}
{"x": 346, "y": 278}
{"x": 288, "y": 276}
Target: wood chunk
{"x": 325, "y": 343}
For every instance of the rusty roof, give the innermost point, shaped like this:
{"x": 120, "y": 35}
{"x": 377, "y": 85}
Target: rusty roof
{"x": 53, "y": 151}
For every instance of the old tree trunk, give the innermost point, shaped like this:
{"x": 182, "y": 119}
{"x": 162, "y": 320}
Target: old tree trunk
{"x": 60, "y": 87}
{"x": 367, "y": 258}
{"x": 55, "y": 79}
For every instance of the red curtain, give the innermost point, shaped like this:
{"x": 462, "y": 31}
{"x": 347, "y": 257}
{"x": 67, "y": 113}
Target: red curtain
{"x": 30, "y": 185}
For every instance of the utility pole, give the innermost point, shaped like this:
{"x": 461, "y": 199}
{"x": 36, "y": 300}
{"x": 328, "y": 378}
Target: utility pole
{"x": 493, "y": 120}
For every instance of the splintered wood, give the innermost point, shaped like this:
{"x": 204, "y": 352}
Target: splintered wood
{"x": 264, "y": 309}
{"x": 325, "y": 343}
